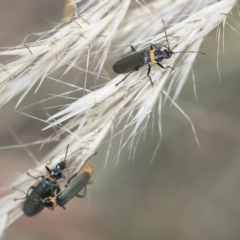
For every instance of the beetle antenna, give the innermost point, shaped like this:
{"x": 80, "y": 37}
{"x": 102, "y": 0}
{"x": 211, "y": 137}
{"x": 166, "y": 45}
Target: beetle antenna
{"x": 190, "y": 52}
{"x": 166, "y": 35}
{"x": 66, "y": 154}
{"x": 176, "y": 45}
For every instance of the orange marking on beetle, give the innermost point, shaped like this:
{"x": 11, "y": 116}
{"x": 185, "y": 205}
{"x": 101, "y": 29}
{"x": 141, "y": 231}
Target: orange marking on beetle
{"x": 152, "y": 57}
{"x": 53, "y": 199}
{"x": 88, "y": 169}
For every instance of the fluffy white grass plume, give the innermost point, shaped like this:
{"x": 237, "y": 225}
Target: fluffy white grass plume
{"x": 103, "y": 30}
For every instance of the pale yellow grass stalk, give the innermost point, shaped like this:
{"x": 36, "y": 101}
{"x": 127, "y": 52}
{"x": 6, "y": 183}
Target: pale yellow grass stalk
{"x": 89, "y": 119}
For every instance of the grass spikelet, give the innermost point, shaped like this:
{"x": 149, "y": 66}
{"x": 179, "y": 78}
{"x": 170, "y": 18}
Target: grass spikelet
{"x": 101, "y": 31}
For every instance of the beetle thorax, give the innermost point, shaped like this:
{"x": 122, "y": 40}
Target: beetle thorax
{"x": 158, "y": 55}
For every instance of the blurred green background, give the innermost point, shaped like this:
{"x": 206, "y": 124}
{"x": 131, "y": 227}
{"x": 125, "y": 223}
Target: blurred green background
{"x": 186, "y": 193}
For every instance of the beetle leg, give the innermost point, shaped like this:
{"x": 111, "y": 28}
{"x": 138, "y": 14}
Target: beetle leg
{"x": 160, "y": 65}
{"x": 73, "y": 176}
{"x": 33, "y": 176}
{"x": 124, "y": 78}
{"x": 133, "y": 48}
{"x": 15, "y": 199}
{"x": 149, "y": 70}
{"x": 48, "y": 169}
{"x": 84, "y": 193}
